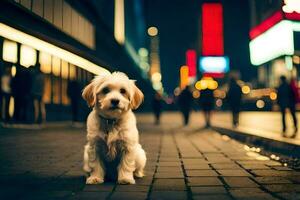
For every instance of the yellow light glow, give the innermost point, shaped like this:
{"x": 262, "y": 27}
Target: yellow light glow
{"x": 40, "y": 45}
{"x": 11, "y": 108}
{"x": 156, "y": 77}
{"x": 260, "y": 103}
{"x": 246, "y": 89}
{"x": 28, "y": 56}
{"x": 184, "y": 76}
{"x": 13, "y": 71}
{"x": 152, "y": 31}
{"x": 273, "y": 96}
{"x": 64, "y": 69}
{"x": 196, "y": 94}
{"x": 72, "y": 72}
{"x": 119, "y": 23}
{"x": 56, "y": 66}
{"x": 10, "y": 50}
{"x": 296, "y": 60}
{"x": 45, "y": 61}
{"x": 212, "y": 84}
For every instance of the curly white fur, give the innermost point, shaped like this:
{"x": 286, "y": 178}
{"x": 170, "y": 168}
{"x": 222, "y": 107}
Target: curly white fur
{"x": 111, "y": 129}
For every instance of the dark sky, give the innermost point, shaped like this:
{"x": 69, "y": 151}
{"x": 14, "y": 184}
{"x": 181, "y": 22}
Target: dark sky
{"x": 178, "y": 22}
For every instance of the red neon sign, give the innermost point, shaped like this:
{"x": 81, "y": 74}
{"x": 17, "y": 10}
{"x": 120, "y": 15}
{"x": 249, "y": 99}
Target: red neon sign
{"x": 191, "y": 62}
{"x": 212, "y": 29}
{"x": 271, "y": 21}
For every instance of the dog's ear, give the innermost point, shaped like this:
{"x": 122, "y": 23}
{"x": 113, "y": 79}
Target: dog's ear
{"x": 88, "y": 94}
{"x": 137, "y": 97}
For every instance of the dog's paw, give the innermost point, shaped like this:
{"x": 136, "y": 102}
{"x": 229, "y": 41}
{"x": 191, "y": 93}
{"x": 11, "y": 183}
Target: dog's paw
{"x": 126, "y": 181}
{"x": 139, "y": 174}
{"x": 94, "y": 180}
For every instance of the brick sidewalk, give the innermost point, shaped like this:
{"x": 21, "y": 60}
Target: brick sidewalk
{"x": 183, "y": 163}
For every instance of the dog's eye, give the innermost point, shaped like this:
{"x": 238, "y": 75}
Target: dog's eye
{"x": 122, "y": 91}
{"x": 105, "y": 90}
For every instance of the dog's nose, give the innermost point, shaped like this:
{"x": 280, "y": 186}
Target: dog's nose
{"x": 114, "y": 102}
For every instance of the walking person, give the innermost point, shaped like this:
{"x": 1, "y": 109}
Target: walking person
{"x": 5, "y": 94}
{"x": 157, "y": 107}
{"x": 286, "y": 100}
{"x": 207, "y": 103}
{"x": 234, "y": 97}
{"x": 37, "y": 92}
{"x": 185, "y": 104}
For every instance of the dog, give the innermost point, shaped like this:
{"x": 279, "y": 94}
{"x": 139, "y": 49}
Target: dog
{"x": 111, "y": 129}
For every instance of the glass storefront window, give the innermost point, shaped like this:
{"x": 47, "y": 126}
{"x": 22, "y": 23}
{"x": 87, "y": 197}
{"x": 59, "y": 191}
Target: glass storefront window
{"x": 45, "y": 61}
{"x": 28, "y": 56}
{"x": 56, "y": 66}
{"x": 10, "y": 51}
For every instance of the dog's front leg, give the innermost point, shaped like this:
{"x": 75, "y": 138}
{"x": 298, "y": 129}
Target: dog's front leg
{"x": 96, "y": 166}
{"x": 126, "y": 167}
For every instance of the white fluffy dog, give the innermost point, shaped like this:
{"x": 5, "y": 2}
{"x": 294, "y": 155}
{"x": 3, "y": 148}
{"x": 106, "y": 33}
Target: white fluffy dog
{"x": 111, "y": 129}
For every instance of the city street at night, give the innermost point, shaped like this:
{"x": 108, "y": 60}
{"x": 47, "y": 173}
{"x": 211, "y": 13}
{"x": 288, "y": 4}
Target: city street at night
{"x": 183, "y": 163}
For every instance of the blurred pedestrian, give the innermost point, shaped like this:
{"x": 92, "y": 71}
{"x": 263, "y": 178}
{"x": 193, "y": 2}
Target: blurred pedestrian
{"x": 5, "y": 94}
{"x": 207, "y": 103}
{"x": 234, "y": 97}
{"x": 74, "y": 93}
{"x": 185, "y": 103}
{"x": 21, "y": 89}
{"x": 157, "y": 107}
{"x": 286, "y": 100}
{"x": 37, "y": 92}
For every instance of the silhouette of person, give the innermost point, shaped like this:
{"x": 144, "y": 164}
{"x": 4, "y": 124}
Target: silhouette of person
{"x": 5, "y": 94}
{"x": 21, "y": 88}
{"x": 286, "y": 100}
{"x": 74, "y": 93}
{"x": 37, "y": 92}
{"x": 157, "y": 107}
{"x": 185, "y": 103}
{"x": 234, "y": 97}
{"x": 207, "y": 104}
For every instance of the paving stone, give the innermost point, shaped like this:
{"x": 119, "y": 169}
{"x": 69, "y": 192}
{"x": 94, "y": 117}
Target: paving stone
{"x": 204, "y": 181}
{"x": 131, "y": 188}
{"x": 90, "y": 195}
{"x": 129, "y": 195}
{"x": 289, "y": 195}
{"x": 248, "y": 193}
{"x": 171, "y": 195}
{"x": 169, "y": 169}
{"x": 201, "y": 173}
{"x": 255, "y": 166}
{"x": 212, "y": 197}
{"x": 208, "y": 190}
{"x": 144, "y": 181}
{"x": 98, "y": 188}
{"x": 229, "y": 172}
{"x": 240, "y": 182}
{"x": 169, "y": 184}
{"x": 283, "y": 188}
{"x": 169, "y": 164}
{"x": 195, "y": 166}
{"x": 225, "y": 166}
{"x": 171, "y": 174}
{"x": 275, "y": 173}
{"x": 272, "y": 180}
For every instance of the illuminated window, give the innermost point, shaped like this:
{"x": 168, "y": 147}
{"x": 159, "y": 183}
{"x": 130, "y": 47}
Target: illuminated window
{"x": 56, "y": 66}
{"x": 64, "y": 69}
{"x": 212, "y": 29}
{"x": 47, "y": 90}
{"x": 28, "y": 56}
{"x": 10, "y": 51}
{"x": 72, "y": 72}
{"x": 45, "y": 61}
{"x": 65, "y": 100}
{"x": 184, "y": 76}
{"x": 56, "y": 90}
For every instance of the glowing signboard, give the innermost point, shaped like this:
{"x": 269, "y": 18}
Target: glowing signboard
{"x": 214, "y": 64}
